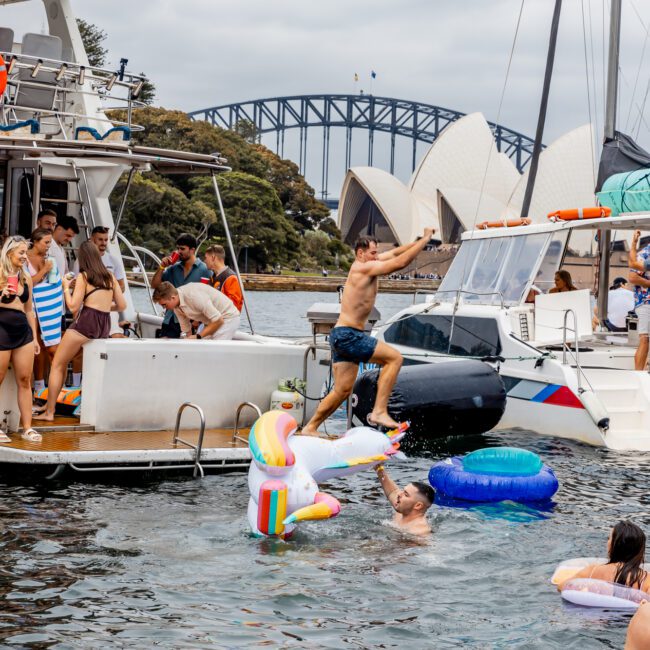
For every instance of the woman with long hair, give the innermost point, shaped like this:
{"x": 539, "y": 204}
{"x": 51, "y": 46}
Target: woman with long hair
{"x": 626, "y": 553}
{"x": 96, "y": 293}
{"x": 48, "y": 300}
{"x": 18, "y": 339}
{"x": 563, "y": 282}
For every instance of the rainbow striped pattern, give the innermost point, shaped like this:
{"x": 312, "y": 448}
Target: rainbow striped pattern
{"x": 272, "y": 507}
{"x": 67, "y": 397}
{"x": 268, "y": 439}
{"x": 325, "y": 506}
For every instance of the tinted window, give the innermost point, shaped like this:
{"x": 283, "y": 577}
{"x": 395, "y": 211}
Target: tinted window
{"x": 475, "y": 337}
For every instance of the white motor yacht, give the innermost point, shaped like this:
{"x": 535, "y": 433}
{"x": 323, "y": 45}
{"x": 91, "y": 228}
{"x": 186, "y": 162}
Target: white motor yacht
{"x": 58, "y": 149}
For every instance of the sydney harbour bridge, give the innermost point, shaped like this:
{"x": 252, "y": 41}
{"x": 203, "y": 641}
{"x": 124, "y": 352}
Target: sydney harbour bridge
{"x": 362, "y": 114}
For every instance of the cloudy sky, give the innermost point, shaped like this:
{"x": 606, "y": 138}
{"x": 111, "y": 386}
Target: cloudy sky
{"x": 203, "y": 53}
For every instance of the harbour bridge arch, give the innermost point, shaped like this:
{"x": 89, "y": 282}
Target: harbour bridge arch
{"x": 408, "y": 119}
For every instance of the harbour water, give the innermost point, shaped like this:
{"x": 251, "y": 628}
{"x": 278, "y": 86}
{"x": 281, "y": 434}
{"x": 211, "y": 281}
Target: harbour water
{"x": 170, "y": 562}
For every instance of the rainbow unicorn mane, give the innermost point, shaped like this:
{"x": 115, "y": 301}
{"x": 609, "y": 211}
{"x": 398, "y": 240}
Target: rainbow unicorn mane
{"x": 268, "y": 440}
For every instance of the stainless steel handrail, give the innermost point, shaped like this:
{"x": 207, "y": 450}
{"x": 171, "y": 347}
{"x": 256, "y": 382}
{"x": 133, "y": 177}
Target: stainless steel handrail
{"x": 576, "y": 343}
{"x": 199, "y": 445}
{"x": 240, "y": 408}
{"x": 134, "y": 250}
{"x": 477, "y": 293}
{"x": 423, "y": 292}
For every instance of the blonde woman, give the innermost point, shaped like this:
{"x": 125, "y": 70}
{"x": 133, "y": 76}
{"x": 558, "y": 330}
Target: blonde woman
{"x": 18, "y": 339}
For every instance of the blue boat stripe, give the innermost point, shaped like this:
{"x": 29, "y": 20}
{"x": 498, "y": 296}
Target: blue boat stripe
{"x": 545, "y": 393}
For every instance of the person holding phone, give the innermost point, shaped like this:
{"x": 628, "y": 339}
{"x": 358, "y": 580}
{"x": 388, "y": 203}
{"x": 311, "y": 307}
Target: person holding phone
{"x": 18, "y": 339}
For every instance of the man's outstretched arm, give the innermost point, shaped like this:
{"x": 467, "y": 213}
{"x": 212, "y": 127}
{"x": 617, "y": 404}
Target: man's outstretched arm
{"x": 633, "y": 261}
{"x": 385, "y": 267}
{"x": 389, "y": 486}
{"x": 395, "y": 252}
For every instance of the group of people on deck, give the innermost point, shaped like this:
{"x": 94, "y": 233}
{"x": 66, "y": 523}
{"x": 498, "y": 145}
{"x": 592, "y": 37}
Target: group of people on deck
{"x": 38, "y": 288}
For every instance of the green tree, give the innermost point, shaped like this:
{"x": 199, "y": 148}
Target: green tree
{"x": 247, "y": 130}
{"x": 93, "y": 38}
{"x": 148, "y": 93}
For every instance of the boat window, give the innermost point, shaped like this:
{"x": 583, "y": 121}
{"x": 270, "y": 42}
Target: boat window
{"x": 475, "y": 337}
{"x": 493, "y": 266}
{"x": 545, "y": 278}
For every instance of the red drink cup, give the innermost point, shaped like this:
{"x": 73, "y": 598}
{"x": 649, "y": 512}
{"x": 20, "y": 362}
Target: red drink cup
{"x": 205, "y": 280}
{"x": 174, "y": 257}
{"x": 12, "y": 283}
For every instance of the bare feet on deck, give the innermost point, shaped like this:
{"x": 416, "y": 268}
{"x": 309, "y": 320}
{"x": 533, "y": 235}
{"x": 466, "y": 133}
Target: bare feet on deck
{"x": 306, "y": 431}
{"x": 382, "y": 420}
{"x": 44, "y": 415}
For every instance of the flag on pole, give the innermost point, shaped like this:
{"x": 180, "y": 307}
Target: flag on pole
{"x": 356, "y": 77}
{"x": 373, "y": 74}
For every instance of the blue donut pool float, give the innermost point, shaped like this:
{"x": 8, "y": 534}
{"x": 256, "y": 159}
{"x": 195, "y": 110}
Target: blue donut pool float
{"x": 494, "y": 474}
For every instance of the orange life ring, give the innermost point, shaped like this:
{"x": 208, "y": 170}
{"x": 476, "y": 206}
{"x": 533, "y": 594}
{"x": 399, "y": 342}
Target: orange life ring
{"x": 596, "y": 212}
{"x": 3, "y": 75}
{"x": 512, "y": 223}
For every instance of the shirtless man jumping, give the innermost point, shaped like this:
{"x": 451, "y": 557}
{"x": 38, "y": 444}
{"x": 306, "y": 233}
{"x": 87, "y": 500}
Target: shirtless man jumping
{"x": 410, "y": 504}
{"x": 351, "y": 345}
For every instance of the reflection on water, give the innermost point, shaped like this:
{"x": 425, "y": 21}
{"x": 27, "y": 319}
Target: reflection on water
{"x": 170, "y": 562}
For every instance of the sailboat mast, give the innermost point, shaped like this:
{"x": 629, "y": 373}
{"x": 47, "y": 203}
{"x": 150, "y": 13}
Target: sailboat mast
{"x": 537, "y": 147}
{"x": 610, "y": 129}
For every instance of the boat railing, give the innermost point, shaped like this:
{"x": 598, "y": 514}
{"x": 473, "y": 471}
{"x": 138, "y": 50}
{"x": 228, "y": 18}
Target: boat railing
{"x": 198, "y": 469}
{"x": 480, "y": 293}
{"x": 138, "y": 255}
{"x": 575, "y": 352}
{"x": 235, "y": 432}
{"x": 423, "y": 292}
{"x": 39, "y": 76}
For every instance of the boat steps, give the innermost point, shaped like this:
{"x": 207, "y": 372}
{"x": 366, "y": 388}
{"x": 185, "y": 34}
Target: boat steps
{"x": 612, "y": 396}
{"x": 625, "y": 418}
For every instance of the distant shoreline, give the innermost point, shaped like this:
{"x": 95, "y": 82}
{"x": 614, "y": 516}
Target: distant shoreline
{"x": 268, "y": 282}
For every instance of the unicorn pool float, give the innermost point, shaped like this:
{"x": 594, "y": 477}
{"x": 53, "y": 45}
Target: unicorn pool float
{"x": 286, "y": 469}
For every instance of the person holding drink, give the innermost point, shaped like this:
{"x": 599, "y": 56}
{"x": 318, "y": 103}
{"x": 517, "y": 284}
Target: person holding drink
{"x": 179, "y": 268}
{"x": 18, "y": 338}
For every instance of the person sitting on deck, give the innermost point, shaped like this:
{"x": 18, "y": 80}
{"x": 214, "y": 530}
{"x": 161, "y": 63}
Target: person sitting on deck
{"x": 189, "y": 268}
{"x": 626, "y": 553}
{"x": 410, "y": 504}
{"x": 563, "y": 282}
{"x": 224, "y": 279}
{"x": 202, "y": 303}
{"x": 620, "y": 301}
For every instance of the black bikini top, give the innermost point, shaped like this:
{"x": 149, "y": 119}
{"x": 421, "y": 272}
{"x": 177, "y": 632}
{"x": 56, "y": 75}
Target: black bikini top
{"x": 23, "y": 297}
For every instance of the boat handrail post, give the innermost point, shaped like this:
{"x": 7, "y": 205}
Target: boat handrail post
{"x": 118, "y": 219}
{"x": 222, "y": 213}
{"x": 576, "y": 356}
{"x": 240, "y": 408}
{"x": 198, "y": 469}
{"x": 136, "y": 257}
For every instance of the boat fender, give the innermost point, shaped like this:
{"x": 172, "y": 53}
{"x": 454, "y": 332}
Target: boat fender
{"x": 589, "y": 592}
{"x": 596, "y": 409}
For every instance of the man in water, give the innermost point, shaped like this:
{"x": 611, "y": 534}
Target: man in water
{"x": 351, "y": 345}
{"x": 410, "y": 504}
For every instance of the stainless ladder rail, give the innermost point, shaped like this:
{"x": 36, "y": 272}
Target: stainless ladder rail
{"x": 240, "y": 408}
{"x": 199, "y": 446}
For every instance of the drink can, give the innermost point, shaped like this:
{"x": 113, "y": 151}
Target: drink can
{"x": 12, "y": 283}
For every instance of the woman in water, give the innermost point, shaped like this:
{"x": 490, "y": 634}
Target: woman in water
{"x": 96, "y": 293}
{"x": 626, "y": 551}
{"x": 18, "y": 341}
{"x": 563, "y": 282}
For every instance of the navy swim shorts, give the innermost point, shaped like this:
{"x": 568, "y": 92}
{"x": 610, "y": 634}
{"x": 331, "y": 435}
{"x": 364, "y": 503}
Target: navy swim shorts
{"x": 352, "y": 345}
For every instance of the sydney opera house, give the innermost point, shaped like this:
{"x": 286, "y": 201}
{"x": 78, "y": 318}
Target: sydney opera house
{"x": 463, "y": 180}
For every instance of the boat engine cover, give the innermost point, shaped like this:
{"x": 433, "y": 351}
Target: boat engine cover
{"x": 439, "y": 399}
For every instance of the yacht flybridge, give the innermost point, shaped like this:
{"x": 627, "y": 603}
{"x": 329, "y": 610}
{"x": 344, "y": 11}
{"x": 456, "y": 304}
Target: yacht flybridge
{"x": 562, "y": 378}
{"x": 59, "y": 150}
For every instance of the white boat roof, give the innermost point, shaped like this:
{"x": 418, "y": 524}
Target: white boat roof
{"x": 628, "y": 221}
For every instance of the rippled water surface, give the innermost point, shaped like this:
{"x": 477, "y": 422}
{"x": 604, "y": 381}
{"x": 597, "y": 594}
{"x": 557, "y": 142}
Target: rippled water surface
{"x": 168, "y": 562}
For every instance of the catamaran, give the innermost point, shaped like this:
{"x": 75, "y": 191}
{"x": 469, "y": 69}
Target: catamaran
{"x": 562, "y": 378}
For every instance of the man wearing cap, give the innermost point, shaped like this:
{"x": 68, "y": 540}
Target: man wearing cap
{"x": 620, "y": 301}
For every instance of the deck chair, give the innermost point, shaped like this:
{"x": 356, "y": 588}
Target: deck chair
{"x": 41, "y": 46}
{"x": 6, "y": 39}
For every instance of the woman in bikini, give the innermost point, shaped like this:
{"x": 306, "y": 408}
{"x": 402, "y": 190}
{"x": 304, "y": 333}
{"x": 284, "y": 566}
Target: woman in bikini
{"x": 96, "y": 293}
{"x": 18, "y": 341}
{"x": 626, "y": 551}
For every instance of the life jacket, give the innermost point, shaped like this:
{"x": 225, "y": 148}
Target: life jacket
{"x": 219, "y": 280}
{"x": 233, "y": 291}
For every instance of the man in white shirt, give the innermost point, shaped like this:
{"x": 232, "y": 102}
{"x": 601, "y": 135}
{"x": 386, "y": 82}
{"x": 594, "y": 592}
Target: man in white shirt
{"x": 64, "y": 231}
{"x": 199, "y": 302}
{"x": 620, "y": 300}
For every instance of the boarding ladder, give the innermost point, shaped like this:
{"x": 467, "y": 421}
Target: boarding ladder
{"x": 198, "y": 469}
